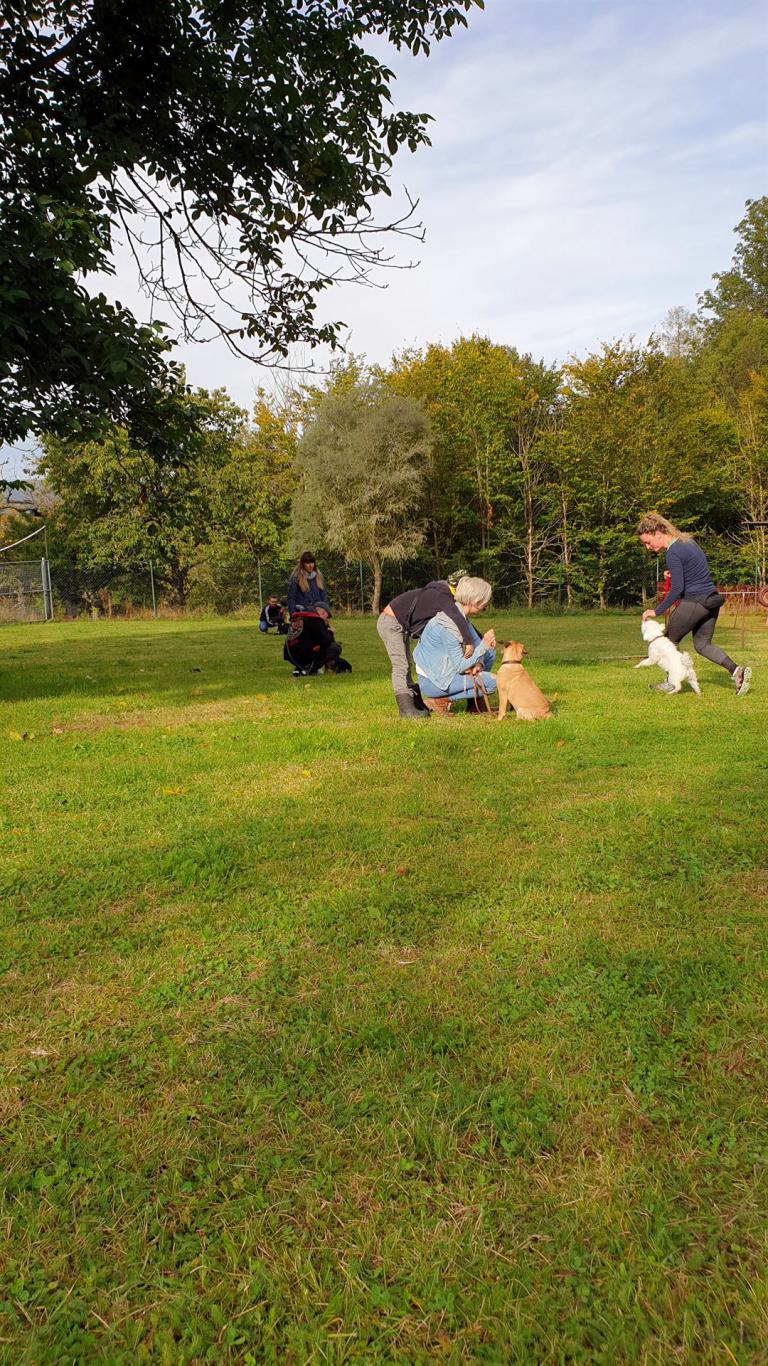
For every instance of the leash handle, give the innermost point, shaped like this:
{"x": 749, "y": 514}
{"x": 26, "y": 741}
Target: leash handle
{"x": 480, "y": 690}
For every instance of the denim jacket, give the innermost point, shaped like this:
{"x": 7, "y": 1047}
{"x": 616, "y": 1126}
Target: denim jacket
{"x": 439, "y": 654}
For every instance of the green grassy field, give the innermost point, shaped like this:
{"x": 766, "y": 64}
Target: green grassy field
{"x": 332, "y": 1038}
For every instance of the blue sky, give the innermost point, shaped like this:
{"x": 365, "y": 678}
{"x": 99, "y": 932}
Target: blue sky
{"x": 590, "y": 160}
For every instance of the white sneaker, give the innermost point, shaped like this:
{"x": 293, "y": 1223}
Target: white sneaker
{"x": 741, "y": 680}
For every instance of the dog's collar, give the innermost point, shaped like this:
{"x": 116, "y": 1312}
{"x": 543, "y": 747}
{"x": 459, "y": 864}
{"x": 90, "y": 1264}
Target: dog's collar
{"x": 518, "y": 662}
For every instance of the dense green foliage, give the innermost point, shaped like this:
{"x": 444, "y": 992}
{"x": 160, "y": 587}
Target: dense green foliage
{"x": 223, "y": 498}
{"x": 360, "y": 472}
{"x": 329, "y": 1042}
{"x": 464, "y": 456}
{"x": 198, "y": 132}
{"x": 539, "y": 476}
{"x": 744, "y": 288}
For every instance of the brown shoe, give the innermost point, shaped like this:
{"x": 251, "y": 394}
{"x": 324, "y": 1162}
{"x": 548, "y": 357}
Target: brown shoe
{"x": 441, "y": 705}
{"x": 478, "y": 707}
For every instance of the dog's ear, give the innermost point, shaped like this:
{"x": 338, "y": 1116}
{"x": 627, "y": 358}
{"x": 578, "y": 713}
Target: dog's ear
{"x": 505, "y": 644}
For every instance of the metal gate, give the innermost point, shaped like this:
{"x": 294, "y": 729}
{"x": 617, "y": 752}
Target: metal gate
{"x": 25, "y": 591}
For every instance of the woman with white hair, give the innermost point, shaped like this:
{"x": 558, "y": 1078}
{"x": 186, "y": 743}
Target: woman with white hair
{"x": 445, "y": 671}
{"x": 403, "y": 620}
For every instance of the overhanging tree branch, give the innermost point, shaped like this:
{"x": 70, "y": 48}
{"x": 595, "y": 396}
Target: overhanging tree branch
{"x": 241, "y": 156}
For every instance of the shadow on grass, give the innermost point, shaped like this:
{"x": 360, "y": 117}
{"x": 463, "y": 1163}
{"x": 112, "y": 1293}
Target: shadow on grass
{"x": 167, "y": 665}
{"x": 228, "y": 659}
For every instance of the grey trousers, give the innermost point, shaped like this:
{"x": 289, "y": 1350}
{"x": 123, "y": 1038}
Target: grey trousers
{"x": 695, "y": 617}
{"x": 396, "y": 644}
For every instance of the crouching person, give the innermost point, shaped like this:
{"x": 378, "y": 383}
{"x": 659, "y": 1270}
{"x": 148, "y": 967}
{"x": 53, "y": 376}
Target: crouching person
{"x": 405, "y": 618}
{"x": 445, "y": 673}
{"x": 310, "y": 644}
{"x": 271, "y": 614}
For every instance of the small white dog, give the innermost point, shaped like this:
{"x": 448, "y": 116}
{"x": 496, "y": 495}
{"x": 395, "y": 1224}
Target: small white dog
{"x": 677, "y": 665}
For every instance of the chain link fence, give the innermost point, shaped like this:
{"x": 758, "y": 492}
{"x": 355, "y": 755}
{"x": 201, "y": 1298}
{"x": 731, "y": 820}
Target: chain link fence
{"x": 33, "y": 590}
{"x": 25, "y": 591}
{"x": 212, "y": 586}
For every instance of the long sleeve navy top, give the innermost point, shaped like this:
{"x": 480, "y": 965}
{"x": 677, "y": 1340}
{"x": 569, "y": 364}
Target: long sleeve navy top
{"x": 691, "y": 577}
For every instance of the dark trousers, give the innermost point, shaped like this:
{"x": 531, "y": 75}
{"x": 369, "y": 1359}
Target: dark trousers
{"x": 326, "y": 657}
{"x": 701, "y": 620}
{"x": 312, "y": 660}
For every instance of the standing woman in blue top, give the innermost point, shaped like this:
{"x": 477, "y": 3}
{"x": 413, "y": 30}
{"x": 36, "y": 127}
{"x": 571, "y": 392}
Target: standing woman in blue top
{"x": 306, "y": 587}
{"x": 699, "y": 601}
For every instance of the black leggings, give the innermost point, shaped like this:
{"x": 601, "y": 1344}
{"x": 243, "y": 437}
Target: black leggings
{"x": 694, "y": 616}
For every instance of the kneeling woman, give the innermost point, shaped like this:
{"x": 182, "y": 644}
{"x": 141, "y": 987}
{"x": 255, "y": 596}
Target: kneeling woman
{"x": 310, "y": 646}
{"x": 444, "y": 671}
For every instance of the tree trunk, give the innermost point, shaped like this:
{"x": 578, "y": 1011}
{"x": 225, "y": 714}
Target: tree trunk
{"x": 529, "y": 555}
{"x": 178, "y": 581}
{"x": 601, "y": 581}
{"x": 376, "y": 597}
{"x": 566, "y": 545}
{"x": 528, "y": 489}
{"x": 757, "y": 505}
{"x": 481, "y": 482}
{"x": 436, "y": 552}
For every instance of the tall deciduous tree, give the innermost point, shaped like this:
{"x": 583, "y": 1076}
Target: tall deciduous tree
{"x": 361, "y": 465}
{"x": 236, "y": 148}
{"x": 250, "y": 490}
{"x": 751, "y": 473}
{"x": 532, "y": 415}
{"x": 249, "y": 498}
{"x": 488, "y": 406}
{"x": 120, "y": 506}
{"x": 608, "y": 457}
{"x": 745, "y": 285}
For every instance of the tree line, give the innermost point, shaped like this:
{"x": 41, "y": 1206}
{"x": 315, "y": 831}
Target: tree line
{"x": 469, "y": 456}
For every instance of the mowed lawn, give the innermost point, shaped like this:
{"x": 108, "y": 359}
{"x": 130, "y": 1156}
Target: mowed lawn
{"x": 327, "y": 1037}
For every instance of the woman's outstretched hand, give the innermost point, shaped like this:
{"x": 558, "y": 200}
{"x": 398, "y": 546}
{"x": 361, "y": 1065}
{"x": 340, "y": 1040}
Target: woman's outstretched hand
{"x": 648, "y": 614}
{"x": 489, "y": 639}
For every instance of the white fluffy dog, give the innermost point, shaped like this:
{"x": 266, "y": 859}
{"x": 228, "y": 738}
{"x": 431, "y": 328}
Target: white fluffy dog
{"x": 677, "y": 665}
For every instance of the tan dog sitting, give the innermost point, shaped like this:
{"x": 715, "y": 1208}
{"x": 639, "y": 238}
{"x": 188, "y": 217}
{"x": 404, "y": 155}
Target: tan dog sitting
{"x": 516, "y": 688}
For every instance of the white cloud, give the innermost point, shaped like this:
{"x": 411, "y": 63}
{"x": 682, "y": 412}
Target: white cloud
{"x": 589, "y": 161}
{"x": 578, "y": 180}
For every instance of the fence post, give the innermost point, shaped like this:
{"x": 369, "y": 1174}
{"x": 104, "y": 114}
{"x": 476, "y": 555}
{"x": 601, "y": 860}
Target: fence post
{"x": 743, "y": 615}
{"x": 50, "y": 585}
{"x": 46, "y": 582}
{"x": 362, "y": 590}
{"x": 152, "y": 582}
{"x": 261, "y": 596}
